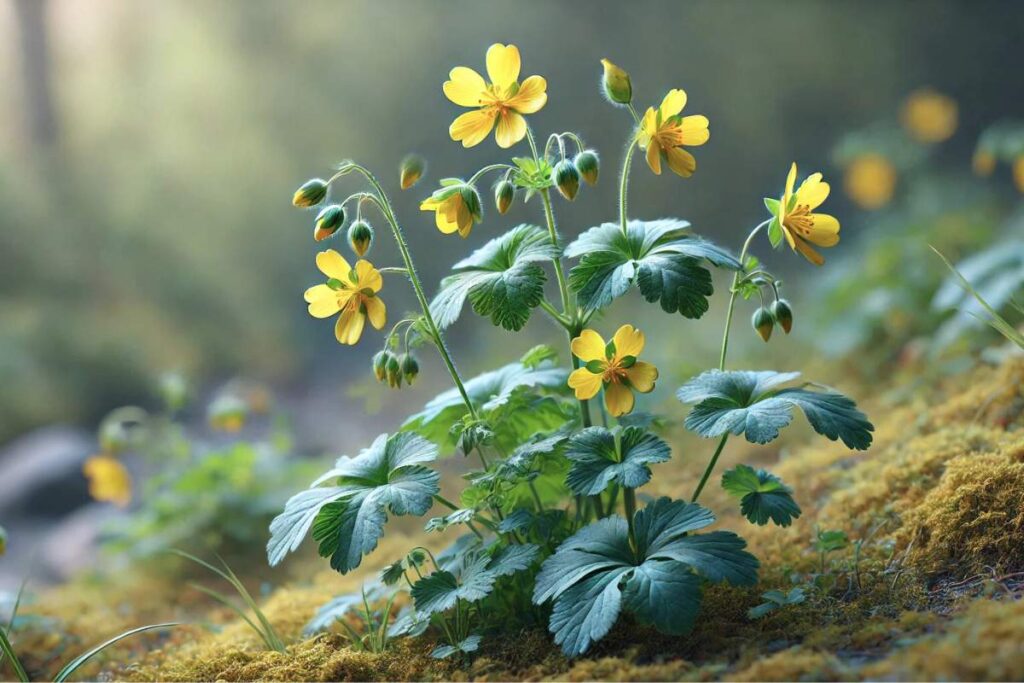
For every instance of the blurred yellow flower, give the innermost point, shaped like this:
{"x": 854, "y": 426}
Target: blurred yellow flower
{"x": 929, "y": 116}
{"x": 870, "y": 180}
{"x": 799, "y": 224}
{"x": 109, "y": 480}
{"x": 663, "y": 132}
{"x": 353, "y": 291}
{"x": 613, "y": 366}
{"x": 983, "y": 162}
{"x": 227, "y": 413}
{"x": 504, "y": 100}
{"x": 456, "y": 208}
{"x": 1018, "y": 172}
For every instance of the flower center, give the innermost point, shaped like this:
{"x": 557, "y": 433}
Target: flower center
{"x": 614, "y": 373}
{"x": 800, "y": 219}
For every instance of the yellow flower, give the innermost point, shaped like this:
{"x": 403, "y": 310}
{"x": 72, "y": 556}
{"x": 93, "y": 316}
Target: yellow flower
{"x": 799, "y": 225}
{"x": 456, "y": 207}
{"x": 613, "y": 366}
{"x": 663, "y": 132}
{"x": 929, "y": 116}
{"x": 1018, "y": 172}
{"x": 109, "y": 481}
{"x": 504, "y": 100}
{"x": 353, "y": 291}
{"x": 983, "y": 162}
{"x": 870, "y": 180}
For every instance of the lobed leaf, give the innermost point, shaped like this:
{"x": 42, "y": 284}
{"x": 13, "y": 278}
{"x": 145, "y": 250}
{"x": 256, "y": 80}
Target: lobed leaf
{"x": 762, "y": 496}
{"x": 597, "y": 460}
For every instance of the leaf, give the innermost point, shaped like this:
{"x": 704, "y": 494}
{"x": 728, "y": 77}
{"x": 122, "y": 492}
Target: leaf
{"x": 762, "y": 496}
{"x": 774, "y": 600}
{"x": 337, "y": 607}
{"x": 660, "y": 257}
{"x": 501, "y": 279}
{"x": 831, "y": 540}
{"x": 471, "y": 579}
{"x": 469, "y": 644}
{"x": 78, "y": 661}
{"x": 597, "y": 460}
{"x": 749, "y": 403}
{"x": 537, "y": 355}
{"x": 409, "y": 622}
{"x": 348, "y": 518}
{"x": 596, "y": 573}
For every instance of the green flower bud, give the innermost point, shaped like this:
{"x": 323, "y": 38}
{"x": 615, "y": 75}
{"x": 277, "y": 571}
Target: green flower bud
{"x": 567, "y": 179}
{"x": 328, "y": 221}
{"x": 588, "y": 165}
{"x": 310, "y": 194}
{"x": 410, "y": 368}
{"x": 616, "y": 84}
{"x": 173, "y": 390}
{"x": 360, "y": 237}
{"x": 394, "y": 372}
{"x": 783, "y": 314}
{"x": 380, "y": 364}
{"x": 504, "y": 191}
{"x": 472, "y": 199}
{"x": 411, "y": 170}
{"x": 763, "y": 323}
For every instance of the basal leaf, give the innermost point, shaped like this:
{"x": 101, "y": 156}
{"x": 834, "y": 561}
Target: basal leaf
{"x": 762, "y": 495}
{"x": 597, "y": 460}
{"x": 750, "y": 403}
{"x": 661, "y": 595}
{"x": 469, "y": 579}
{"x": 661, "y": 257}
{"x": 501, "y": 279}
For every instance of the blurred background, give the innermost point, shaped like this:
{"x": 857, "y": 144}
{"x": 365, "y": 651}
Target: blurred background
{"x": 148, "y": 248}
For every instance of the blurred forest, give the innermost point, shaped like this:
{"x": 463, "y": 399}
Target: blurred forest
{"x": 150, "y": 148}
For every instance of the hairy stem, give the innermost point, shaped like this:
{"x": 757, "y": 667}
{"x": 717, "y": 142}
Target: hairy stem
{"x": 624, "y": 185}
{"x": 710, "y": 468}
{"x": 734, "y": 291}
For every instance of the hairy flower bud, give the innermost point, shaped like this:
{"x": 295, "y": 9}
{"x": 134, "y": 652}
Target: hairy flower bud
{"x": 616, "y": 84}
{"x": 328, "y": 221}
{"x": 411, "y": 170}
{"x": 380, "y": 364}
{"x": 783, "y": 314}
{"x": 588, "y": 165}
{"x": 504, "y": 191}
{"x": 394, "y": 372}
{"x": 310, "y": 194}
{"x": 472, "y": 199}
{"x": 763, "y": 323}
{"x": 360, "y": 237}
{"x": 567, "y": 179}
{"x": 410, "y": 368}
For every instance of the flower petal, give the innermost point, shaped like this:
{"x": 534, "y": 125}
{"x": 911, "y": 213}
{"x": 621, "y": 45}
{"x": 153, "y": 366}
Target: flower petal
{"x": 812, "y": 191}
{"x": 693, "y": 130}
{"x": 349, "y": 327}
{"x": 790, "y": 181}
{"x": 654, "y": 156}
{"x": 531, "y": 96}
{"x": 648, "y": 126}
{"x": 465, "y": 87}
{"x": 673, "y": 103}
{"x": 376, "y": 311}
{"x": 585, "y": 383}
{"x": 472, "y": 127}
{"x": 324, "y": 301}
{"x": 109, "y": 480}
{"x": 333, "y": 264}
{"x": 628, "y": 341}
{"x": 808, "y": 253}
{"x": 642, "y": 376}
{"x": 503, "y": 65}
{"x": 680, "y": 161}
{"x": 369, "y": 277}
{"x": 463, "y": 218}
{"x": 618, "y": 398}
{"x": 511, "y": 129}
{"x": 588, "y": 346}
{"x": 825, "y": 231}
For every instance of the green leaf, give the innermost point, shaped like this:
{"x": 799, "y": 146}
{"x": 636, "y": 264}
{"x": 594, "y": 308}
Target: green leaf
{"x": 465, "y": 646}
{"x": 348, "y": 518}
{"x": 501, "y": 279}
{"x": 762, "y": 496}
{"x": 775, "y": 232}
{"x": 749, "y": 403}
{"x": 597, "y": 460}
{"x": 471, "y": 578}
{"x": 772, "y": 205}
{"x": 661, "y": 257}
{"x": 776, "y": 599}
{"x": 596, "y": 573}
{"x": 532, "y": 175}
{"x": 537, "y": 355}
{"x": 831, "y": 540}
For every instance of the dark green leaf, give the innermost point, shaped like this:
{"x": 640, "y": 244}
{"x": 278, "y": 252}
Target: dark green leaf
{"x": 749, "y": 403}
{"x": 470, "y": 579}
{"x": 661, "y": 257}
{"x": 502, "y": 279}
{"x": 597, "y": 460}
{"x": 762, "y": 495}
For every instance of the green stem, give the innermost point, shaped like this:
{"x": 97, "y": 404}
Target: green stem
{"x": 710, "y": 468}
{"x": 385, "y": 207}
{"x": 550, "y": 309}
{"x": 624, "y": 185}
{"x": 487, "y": 169}
{"x": 734, "y": 291}
{"x": 629, "y": 500}
{"x": 536, "y": 495}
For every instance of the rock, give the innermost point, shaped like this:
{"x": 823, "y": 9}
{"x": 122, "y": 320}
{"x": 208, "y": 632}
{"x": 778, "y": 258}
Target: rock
{"x": 42, "y": 472}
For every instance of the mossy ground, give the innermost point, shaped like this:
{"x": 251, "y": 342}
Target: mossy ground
{"x": 936, "y": 509}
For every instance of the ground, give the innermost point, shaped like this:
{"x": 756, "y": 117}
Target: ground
{"x": 928, "y": 589}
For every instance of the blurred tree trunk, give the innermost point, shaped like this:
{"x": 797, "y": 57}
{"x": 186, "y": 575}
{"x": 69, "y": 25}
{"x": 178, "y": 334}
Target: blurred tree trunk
{"x": 35, "y": 70}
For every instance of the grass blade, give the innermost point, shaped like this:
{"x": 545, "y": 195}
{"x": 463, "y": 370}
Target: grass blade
{"x": 8, "y": 649}
{"x": 274, "y": 640}
{"x": 996, "y": 321}
{"x": 224, "y": 600}
{"x": 73, "y": 665}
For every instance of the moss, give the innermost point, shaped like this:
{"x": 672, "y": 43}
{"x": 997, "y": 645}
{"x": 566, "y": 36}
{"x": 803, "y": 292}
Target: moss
{"x": 795, "y": 664}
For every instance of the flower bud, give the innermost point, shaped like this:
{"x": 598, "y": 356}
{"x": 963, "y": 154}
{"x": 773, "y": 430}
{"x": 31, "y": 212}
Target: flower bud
{"x": 380, "y": 364}
{"x": 410, "y": 368}
{"x": 616, "y": 84}
{"x": 173, "y": 390}
{"x": 411, "y": 170}
{"x": 504, "y": 191}
{"x": 783, "y": 314}
{"x": 310, "y": 194}
{"x": 567, "y": 179}
{"x": 328, "y": 221}
{"x": 983, "y": 162}
{"x": 394, "y": 372}
{"x": 472, "y": 199}
{"x": 763, "y": 322}
{"x": 227, "y": 413}
{"x": 360, "y": 237}
{"x": 588, "y": 165}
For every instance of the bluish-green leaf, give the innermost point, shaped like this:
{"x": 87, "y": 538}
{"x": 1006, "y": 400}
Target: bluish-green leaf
{"x": 596, "y": 461}
{"x": 762, "y": 495}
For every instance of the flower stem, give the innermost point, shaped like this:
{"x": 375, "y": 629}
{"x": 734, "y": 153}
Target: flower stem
{"x": 734, "y": 291}
{"x": 385, "y": 207}
{"x": 709, "y": 468}
{"x": 624, "y": 185}
{"x": 629, "y": 501}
